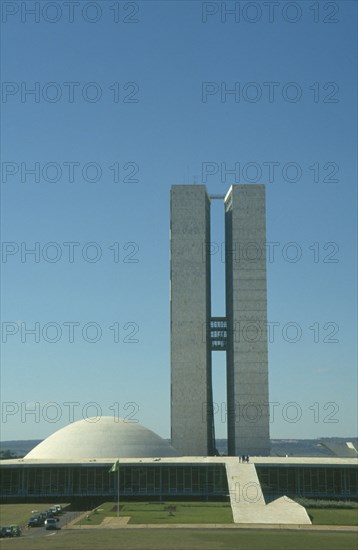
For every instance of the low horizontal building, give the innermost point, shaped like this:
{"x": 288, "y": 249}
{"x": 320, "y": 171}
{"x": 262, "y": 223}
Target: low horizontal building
{"x": 164, "y": 477}
{"x": 72, "y": 463}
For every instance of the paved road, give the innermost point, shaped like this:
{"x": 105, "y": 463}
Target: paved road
{"x": 64, "y": 519}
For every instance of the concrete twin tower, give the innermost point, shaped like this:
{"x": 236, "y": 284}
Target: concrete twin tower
{"x": 196, "y": 333}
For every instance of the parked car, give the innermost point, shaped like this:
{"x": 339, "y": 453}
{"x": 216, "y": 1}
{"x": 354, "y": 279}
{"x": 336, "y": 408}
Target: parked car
{"x": 5, "y": 532}
{"x": 50, "y": 513}
{"x": 16, "y": 531}
{"x": 35, "y": 521}
{"x": 51, "y": 523}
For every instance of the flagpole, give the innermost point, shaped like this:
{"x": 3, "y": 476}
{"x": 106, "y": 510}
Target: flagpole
{"x": 118, "y": 493}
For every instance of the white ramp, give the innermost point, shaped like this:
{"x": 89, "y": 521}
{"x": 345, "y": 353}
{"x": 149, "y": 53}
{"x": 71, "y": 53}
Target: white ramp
{"x": 244, "y": 485}
{"x": 247, "y": 501}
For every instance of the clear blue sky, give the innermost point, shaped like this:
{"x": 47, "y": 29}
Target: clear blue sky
{"x": 156, "y": 122}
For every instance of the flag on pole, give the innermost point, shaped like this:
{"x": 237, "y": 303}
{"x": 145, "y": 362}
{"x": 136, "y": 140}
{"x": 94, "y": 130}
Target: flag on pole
{"x": 115, "y": 467}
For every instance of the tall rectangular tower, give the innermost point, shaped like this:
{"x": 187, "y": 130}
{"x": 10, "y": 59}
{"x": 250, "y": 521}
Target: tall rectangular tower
{"x": 246, "y": 313}
{"x": 190, "y": 308}
{"x": 242, "y": 333}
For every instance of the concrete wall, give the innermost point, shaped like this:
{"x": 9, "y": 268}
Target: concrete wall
{"x": 191, "y": 395}
{"x": 246, "y": 305}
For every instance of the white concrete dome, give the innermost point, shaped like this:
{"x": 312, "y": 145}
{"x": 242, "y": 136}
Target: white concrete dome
{"x": 102, "y": 437}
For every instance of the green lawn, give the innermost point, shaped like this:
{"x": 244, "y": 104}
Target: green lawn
{"x": 154, "y": 512}
{"x": 20, "y": 513}
{"x": 329, "y": 516}
{"x": 203, "y": 512}
{"x": 184, "y": 539}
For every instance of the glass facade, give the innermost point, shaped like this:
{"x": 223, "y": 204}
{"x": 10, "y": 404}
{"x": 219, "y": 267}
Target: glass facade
{"x": 196, "y": 480}
{"x": 309, "y": 481}
{"x": 134, "y": 480}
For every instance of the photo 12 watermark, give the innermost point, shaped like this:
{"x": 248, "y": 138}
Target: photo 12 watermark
{"x": 52, "y": 252}
{"x": 270, "y": 171}
{"x": 269, "y": 92}
{"x": 271, "y": 11}
{"x": 68, "y": 411}
{"x": 253, "y": 331}
{"x": 291, "y": 252}
{"x": 70, "y": 92}
{"x": 69, "y": 171}
{"x": 69, "y": 332}
{"x": 73, "y": 11}
{"x": 291, "y": 412}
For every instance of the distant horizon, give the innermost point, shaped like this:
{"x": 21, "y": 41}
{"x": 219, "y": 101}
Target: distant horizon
{"x": 218, "y": 439}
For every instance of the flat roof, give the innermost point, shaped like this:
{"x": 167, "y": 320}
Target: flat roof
{"x": 186, "y": 460}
